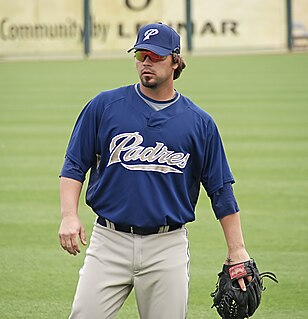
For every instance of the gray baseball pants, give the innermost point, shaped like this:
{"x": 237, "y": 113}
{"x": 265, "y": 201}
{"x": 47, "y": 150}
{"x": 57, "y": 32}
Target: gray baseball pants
{"x": 156, "y": 266}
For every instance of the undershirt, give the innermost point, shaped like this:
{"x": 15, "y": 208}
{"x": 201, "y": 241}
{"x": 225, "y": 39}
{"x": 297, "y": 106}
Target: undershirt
{"x": 156, "y": 105}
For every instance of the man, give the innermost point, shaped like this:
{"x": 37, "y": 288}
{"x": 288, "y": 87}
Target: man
{"x": 148, "y": 148}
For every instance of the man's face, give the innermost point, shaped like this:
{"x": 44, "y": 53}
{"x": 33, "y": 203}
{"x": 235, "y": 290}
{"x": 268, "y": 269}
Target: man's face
{"x": 152, "y": 72}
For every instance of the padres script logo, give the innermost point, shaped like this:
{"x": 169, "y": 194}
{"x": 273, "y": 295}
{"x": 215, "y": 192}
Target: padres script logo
{"x": 127, "y": 147}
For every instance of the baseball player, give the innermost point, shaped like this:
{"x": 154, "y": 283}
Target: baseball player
{"x": 148, "y": 149}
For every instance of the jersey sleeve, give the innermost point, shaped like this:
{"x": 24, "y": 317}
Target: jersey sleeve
{"x": 72, "y": 170}
{"x": 224, "y": 202}
{"x": 216, "y": 171}
{"x": 83, "y": 147}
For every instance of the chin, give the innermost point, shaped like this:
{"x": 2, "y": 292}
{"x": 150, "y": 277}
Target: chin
{"x": 148, "y": 83}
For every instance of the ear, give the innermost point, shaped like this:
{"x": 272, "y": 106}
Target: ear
{"x": 175, "y": 66}
{"x": 175, "y": 61}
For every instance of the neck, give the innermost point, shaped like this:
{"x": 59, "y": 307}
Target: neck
{"x": 161, "y": 93}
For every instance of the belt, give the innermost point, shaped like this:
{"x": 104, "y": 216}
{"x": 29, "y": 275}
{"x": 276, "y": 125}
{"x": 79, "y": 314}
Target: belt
{"x": 137, "y": 230}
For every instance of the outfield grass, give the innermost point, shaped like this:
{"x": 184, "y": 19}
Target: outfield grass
{"x": 260, "y": 104}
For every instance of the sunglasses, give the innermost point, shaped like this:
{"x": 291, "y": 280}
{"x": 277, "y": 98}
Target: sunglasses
{"x": 141, "y": 56}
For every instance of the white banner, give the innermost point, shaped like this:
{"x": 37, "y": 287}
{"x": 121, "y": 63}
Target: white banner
{"x": 38, "y": 27}
{"x": 118, "y": 21}
{"x": 238, "y": 24}
{"x": 300, "y": 23}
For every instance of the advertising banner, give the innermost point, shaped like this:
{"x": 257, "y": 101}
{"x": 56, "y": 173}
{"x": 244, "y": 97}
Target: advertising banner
{"x": 35, "y": 27}
{"x": 300, "y": 23}
{"x": 238, "y": 24}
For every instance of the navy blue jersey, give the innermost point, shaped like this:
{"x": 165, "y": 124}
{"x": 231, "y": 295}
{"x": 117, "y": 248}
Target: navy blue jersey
{"x": 146, "y": 165}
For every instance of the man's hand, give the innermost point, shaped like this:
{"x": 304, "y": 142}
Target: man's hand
{"x": 70, "y": 229}
{"x": 236, "y": 256}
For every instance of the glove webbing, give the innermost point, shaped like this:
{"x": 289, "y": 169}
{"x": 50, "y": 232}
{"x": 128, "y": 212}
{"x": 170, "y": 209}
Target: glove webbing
{"x": 267, "y": 274}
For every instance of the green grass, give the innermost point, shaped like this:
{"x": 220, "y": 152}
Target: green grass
{"x": 260, "y": 104}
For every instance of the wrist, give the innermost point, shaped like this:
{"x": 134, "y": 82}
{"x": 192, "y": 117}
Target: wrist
{"x": 69, "y": 214}
{"x": 236, "y": 256}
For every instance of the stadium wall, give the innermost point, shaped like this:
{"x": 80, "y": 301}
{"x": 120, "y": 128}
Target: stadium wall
{"x": 51, "y": 28}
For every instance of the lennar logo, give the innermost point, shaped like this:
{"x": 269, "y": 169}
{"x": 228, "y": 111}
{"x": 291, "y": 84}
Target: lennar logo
{"x": 149, "y": 33}
{"x": 125, "y": 148}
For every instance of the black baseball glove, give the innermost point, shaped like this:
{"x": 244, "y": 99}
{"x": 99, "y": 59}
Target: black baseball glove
{"x": 229, "y": 299}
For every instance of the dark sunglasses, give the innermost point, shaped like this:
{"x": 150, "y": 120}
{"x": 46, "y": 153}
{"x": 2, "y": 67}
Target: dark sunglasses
{"x": 141, "y": 56}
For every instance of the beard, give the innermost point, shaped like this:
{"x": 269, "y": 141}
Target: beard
{"x": 148, "y": 82}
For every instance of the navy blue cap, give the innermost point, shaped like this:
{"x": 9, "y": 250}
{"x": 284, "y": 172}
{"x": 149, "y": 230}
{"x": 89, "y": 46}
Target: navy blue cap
{"x": 158, "y": 38}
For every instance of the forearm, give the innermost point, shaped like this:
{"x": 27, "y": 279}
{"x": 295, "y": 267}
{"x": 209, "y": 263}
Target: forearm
{"x": 70, "y": 227}
{"x": 70, "y": 190}
{"x": 231, "y": 226}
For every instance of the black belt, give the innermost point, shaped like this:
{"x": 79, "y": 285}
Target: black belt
{"x": 137, "y": 230}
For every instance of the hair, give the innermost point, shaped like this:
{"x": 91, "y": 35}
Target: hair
{"x": 177, "y": 59}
